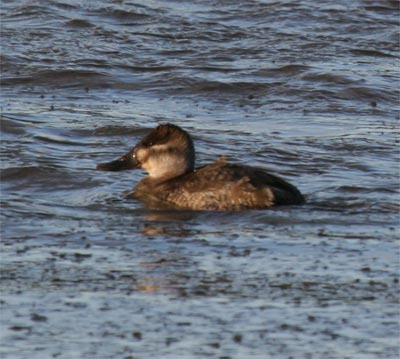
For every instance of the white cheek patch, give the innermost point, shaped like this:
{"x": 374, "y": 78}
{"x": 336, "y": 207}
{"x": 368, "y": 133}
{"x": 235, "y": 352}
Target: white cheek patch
{"x": 164, "y": 166}
{"x": 141, "y": 154}
{"x": 157, "y": 167}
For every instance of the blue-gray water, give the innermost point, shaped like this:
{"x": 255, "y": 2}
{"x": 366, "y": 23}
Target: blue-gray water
{"x": 307, "y": 89}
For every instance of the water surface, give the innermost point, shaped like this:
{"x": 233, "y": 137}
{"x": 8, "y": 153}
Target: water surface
{"x": 308, "y": 90}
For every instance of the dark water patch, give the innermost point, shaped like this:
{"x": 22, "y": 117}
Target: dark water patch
{"x": 354, "y": 202}
{"x": 359, "y": 189}
{"x": 57, "y": 140}
{"x": 203, "y": 86}
{"x": 10, "y": 126}
{"x": 373, "y": 53}
{"x": 384, "y": 7}
{"x": 64, "y": 139}
{"x": 355, "y": 144}
{"x": 61, "y": 79}
{"x": 292, "y": 69}
{"x": 330, "y": 78}
{"x": 79, "y": 23}
{"x": 321, "y": 94}
{"x": 64, "y": 6}
{"x": 176, "y": 52}
{"x": 150, "y": 69}
{"x": 92, "y": 62}
{"x": 125, "y": 14}
{"x": 236, "y": 87}
{"x": 34, "y": 175}
{"x": 217, "y": 69}
{"x": 26, "y": 12}
{"x": 367, "y": 94}
{"x": 113, "y": 130}
{"x": 6, "y": 64}
{"x": 137, "y": 13}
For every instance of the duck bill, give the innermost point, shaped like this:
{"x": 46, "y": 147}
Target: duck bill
{"x": 126, "y": 162}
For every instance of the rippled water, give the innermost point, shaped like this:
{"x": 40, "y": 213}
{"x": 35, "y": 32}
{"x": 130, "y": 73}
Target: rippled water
{"x": 306, "y": 89}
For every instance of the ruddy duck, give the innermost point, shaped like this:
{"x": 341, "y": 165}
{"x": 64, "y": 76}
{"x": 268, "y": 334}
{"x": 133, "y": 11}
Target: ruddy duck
{"x": 167, "y": 154}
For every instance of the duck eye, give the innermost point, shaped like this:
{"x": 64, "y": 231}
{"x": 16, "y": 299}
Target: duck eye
{"x": 149, "y": 144}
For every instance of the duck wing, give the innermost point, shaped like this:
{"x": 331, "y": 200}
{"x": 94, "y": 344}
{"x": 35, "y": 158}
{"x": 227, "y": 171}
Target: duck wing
{"x": 225, "y": 186}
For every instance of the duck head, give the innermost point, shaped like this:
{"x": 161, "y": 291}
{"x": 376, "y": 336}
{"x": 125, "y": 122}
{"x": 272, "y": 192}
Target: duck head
{"x": 166, "y": 152}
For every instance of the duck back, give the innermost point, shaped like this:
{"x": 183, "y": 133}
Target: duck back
{"x": 219, "y": 186}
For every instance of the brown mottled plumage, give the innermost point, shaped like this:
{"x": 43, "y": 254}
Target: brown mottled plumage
{"x": 167, "y": 154}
